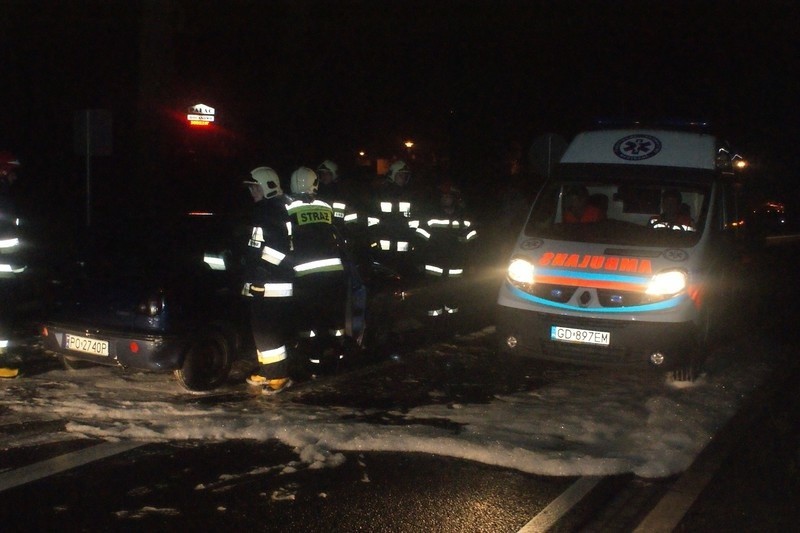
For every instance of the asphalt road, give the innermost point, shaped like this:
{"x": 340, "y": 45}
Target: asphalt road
{"x": 747, "y": 479}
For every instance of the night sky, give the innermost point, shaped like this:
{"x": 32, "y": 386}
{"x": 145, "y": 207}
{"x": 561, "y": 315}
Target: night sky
{"x": 297, "y": 81}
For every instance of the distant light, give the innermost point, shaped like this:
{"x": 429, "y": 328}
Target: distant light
{"x": 409, "y": 144}
{"x": 362, "y": 153}
{"x": 741, "y": 163}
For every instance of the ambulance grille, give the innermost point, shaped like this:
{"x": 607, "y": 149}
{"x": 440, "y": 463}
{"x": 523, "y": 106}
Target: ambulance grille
{"x": 607, "y": 298}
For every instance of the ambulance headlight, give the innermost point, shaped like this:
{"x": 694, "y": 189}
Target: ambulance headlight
{"x": 667, "y": 283}
{"x": 520, "y": 271}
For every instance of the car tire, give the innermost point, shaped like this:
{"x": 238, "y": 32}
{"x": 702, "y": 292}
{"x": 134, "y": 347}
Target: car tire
{"x": 206, "y": 363}
{"x": 74, "y": 365}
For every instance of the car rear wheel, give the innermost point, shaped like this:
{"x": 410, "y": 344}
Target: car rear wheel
{"x": 206, "y": 363}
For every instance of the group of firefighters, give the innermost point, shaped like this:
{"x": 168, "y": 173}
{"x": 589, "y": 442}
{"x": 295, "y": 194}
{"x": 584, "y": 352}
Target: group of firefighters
{"x": 305, "y": 250}
{"x": 304, "y": 260}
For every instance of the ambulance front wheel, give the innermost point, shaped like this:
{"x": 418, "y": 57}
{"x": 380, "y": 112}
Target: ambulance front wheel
{"x": 690, "y": 369}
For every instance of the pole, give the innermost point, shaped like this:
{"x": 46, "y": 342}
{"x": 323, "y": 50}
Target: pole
{"x": 88, "y": 169}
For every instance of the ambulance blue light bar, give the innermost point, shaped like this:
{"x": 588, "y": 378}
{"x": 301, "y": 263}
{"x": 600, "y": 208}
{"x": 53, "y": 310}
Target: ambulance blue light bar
{"x": 664, "y": 123}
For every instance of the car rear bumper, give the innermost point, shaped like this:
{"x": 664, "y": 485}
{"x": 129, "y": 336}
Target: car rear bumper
{"x": 155, "y": 352}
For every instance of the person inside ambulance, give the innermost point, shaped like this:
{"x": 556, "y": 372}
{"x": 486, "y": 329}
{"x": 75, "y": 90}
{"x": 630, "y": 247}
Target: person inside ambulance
{"x": 578, "y": 209}
{"x": 320, "y": 279}
{"x": 674, "y": 213}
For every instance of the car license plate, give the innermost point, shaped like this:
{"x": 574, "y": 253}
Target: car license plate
{"x": 84, "y": 345}
{"x": 580, "y": 336}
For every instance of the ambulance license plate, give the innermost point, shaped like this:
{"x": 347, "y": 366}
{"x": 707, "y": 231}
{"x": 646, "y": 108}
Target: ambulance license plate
{"x": 85, "y": 345}
{"x": 580, "y": 336}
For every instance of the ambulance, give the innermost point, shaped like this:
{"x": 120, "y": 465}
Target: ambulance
{"x": 629, "y": 254}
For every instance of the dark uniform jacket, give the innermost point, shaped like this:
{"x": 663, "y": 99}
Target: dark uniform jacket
{"x": 11, "y": 261}
{"x": 268, "y": 261}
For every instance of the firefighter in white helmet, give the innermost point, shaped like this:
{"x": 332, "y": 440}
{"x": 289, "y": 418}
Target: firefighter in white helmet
{"x": 269, "y": 280}
{"x": 328, "y": 174}
{"x": 321, "y": 273}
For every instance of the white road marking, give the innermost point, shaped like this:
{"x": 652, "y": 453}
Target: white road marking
{"x": 56, "y": 465}
{"x": 674, "y": 505}
{"x": 561, "y": 505}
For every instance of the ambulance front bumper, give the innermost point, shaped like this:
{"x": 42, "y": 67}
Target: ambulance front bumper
{"x": 591, "y": 341}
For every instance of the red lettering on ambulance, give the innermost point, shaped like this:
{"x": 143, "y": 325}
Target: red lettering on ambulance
{"x": 597, "y": 262}
{"x": 628, "y": 264}
{"x": 559, "y": 259}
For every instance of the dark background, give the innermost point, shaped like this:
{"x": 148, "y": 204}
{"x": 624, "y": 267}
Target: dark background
{"x": 473, "y": 83}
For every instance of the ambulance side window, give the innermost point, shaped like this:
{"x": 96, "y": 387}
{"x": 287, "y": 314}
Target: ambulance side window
{"x": 725, "y": 216}
{"x": 734, "y": 214}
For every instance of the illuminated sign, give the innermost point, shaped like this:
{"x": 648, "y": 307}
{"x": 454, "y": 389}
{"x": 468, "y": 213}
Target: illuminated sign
{"x": 200, "y": 115}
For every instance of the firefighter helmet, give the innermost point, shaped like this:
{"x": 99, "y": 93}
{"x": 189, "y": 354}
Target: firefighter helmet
{"x": 329, "y": 166}
{"x": 399, "y": 168}
{"x": 268, "y": 179}
{"x": 304, "y": 181}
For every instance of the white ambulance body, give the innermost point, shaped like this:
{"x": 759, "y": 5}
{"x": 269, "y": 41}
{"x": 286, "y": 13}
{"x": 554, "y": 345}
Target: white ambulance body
{"x": 604, "y": 271}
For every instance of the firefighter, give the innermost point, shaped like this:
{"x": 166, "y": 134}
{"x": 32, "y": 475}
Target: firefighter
{"x": 269, "y": 280}
{"x": 390, "y": 226}
{"x": 11, "y": 264}
{"x": 329, "y": 186}
{"x": 447, "y": 237}
{"x": 345, "y": 216}
{"x": 321, "y": 282}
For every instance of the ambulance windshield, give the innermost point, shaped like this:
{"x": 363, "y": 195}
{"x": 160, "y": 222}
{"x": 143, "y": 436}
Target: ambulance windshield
{"x": 640, "y": 212}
